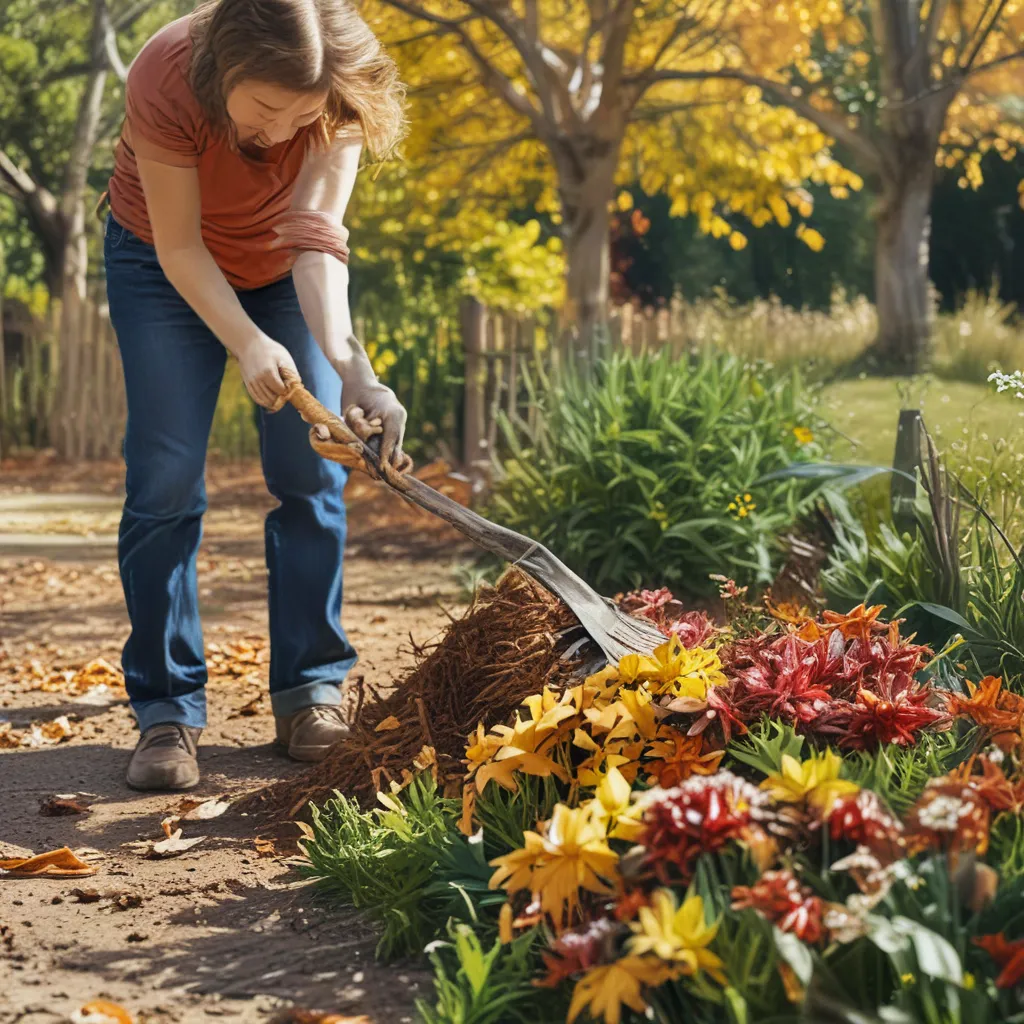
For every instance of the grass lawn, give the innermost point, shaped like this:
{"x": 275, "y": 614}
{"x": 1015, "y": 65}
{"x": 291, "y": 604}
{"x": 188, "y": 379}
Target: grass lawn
{"x": 959, "y": 416}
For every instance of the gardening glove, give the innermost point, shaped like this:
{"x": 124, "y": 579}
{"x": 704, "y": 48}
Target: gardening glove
{"x": 261, "y": 361}
{"x": 371, "y": 408}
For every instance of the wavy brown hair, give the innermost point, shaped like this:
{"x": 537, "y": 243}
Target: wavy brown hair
{"x": 304, "y": 46}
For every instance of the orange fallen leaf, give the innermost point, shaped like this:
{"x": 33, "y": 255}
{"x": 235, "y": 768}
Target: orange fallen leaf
{"x": 99, "y": 1011}
{"x": 265, "y": 847}
{"x": 389, "y": 724}
{"x": 60, "y": 863}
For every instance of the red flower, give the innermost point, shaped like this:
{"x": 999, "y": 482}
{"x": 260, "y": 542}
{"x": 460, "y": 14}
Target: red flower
{"x": 862, "y": 820}
{"x": 895, "y": 715}
{"x": 700, "y": 816}
{"x": 779, "y": 897}
{"x": 1008, "y": 955}
{"x": 577, "y": 951}
{"x": 694, "y": 629}
{"x": 787, "y": 678}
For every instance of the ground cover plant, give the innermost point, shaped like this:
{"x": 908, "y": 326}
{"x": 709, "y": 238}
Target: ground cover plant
{"x": 777, "y": 817}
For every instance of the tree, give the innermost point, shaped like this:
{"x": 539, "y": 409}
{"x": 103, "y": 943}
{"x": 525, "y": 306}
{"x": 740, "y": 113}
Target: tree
{"x": 57, "y": 103}
{"x": 553, "y": 103}
{"x": 903, "y": 86}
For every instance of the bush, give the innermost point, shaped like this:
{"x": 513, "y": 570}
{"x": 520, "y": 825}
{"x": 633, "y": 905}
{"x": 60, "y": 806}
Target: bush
{"x": 646, "y": 472}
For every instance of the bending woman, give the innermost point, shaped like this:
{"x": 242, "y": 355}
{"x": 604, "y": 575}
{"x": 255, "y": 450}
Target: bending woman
{"x": 243, "y": 131}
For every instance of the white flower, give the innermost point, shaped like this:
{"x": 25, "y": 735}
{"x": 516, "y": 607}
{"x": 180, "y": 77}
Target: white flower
{"x": 942, "y": 813}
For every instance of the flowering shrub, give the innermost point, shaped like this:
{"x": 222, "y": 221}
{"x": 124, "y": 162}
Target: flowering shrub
{"x": 790, "y": 822}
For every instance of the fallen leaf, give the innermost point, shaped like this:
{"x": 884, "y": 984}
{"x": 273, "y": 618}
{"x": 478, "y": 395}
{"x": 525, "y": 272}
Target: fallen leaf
{"x": 306, "y": 830}
{"x": 58, "y": 806}
{"x": 60, "y": 863}
{"x": 99, "y": 1011}
{"x": 127, "y": 901}
{"x": 86, "y": 895}
{"x": 208, "y": 809}
{"x": 172, "y": 846}
{"x": 168, "y": 825}
{"x": 137, "y": 937}
{"x": 254, "y": 707}
{"x": 389, "y": 724}
{"x": 265, "y": 847}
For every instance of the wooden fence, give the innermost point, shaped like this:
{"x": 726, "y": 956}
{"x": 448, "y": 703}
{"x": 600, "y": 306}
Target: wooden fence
{"x": 62, "y": 386}
{"x": 62, "y": 383}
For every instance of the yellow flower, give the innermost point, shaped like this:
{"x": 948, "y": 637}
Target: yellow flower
{"x": 674, "y": 669}
{"x": 815, "y": 780}
{"x": 613, "y": 807}
{"x": 803, "y": 435}
{"x": 741, "y": 506}
{"x": 574, "y": 855}
{"x": 481, "y": 747}
{"x": 969, "y": 981}
{"x": 908, "y": 978}
{"x": 677, "y": 934}
{"x": 524, "y": 746}
{"x": 505, "y": 933}
{"x": 604, "y": 990}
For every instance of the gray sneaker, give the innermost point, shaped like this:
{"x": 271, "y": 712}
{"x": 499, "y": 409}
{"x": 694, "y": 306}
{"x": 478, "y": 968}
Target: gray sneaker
{"x": 165, "y": 758}
{"x": 310, "y": 733}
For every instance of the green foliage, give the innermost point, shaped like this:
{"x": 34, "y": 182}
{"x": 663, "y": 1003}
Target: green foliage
{"x": 474, "y": 985}
{"x": 645, "y": 472}
{"x": 505, "y": 816}
{"x": 386, "y": 863}
{"x": 899, "y": 774}
{"x": 765, "y": 745}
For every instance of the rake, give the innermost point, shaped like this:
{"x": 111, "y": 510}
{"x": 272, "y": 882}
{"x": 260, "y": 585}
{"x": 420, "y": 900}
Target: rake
{"x": 615, "y": 633}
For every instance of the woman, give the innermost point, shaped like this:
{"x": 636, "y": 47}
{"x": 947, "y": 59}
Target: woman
{"x": 243, "y": 129}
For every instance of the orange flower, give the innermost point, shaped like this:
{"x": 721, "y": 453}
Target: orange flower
{"x": 1008, "y": 955}
{"x": 1002, "y": 713}
{"x": 788, "y": 611}
{"x": 992, "y": 785}
{"x": 677, "y": 757}
{"x": 860, "y": 624}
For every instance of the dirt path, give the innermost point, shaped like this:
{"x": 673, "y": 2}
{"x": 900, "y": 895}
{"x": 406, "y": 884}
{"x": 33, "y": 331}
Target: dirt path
{"x": 227, "y": 929}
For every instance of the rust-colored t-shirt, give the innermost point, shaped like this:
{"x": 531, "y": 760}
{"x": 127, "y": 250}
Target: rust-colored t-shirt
{"x": 243, "y": 195}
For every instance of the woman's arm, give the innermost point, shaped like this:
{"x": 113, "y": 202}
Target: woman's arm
{"x": 173, "y": 203}
{"x": 321, "y": 280}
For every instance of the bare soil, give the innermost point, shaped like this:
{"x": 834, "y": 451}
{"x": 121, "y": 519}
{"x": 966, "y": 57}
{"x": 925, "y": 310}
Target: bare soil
{"x": 229, "y": 928}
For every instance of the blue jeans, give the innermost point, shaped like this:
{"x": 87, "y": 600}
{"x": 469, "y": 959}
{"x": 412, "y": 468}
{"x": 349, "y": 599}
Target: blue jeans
{"x": 173, "y": 367}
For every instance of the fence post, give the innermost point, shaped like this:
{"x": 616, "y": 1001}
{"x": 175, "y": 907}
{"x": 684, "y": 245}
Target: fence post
{"x": 906, "y": 463}
{"x": 474, "y": 344}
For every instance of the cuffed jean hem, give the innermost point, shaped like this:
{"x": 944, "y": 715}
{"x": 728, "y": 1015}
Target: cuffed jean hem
{"x": 189, "y": 709}
{"x": 288, "y": 702}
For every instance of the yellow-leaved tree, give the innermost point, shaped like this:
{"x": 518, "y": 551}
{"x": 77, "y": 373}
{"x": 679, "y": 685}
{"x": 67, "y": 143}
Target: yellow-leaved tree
{"x": 551, "y": 104}
{"x": 903, "y": 87}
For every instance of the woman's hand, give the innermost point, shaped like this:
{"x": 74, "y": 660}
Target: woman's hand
{"x": 261, "y": 360}
{"x": 371, "y": 408}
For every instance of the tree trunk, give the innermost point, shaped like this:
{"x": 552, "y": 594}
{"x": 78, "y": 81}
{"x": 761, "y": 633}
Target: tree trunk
{"x": 586, "y": 187}
{"x": 901, "y": 272}
{"x": 73, "y": 206}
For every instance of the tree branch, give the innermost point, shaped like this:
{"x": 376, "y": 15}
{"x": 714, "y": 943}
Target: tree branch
{"x": 490, "y": 74}
{"x": 831, "y": 124}
{"x": 108, "y": 39}
{"x": 16, "y": 177}
{"x": 983, "y": 32}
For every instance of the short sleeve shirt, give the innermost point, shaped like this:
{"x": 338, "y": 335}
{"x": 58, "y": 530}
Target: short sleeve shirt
{"x": 243, "y": 195}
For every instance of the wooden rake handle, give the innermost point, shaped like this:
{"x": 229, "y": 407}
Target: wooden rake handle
{"x": 342, "y": 444}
